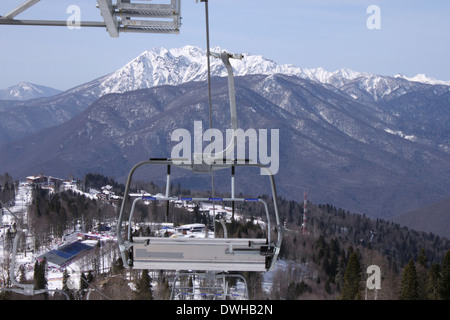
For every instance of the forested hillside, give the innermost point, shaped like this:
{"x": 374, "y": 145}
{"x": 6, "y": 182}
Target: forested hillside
{"x": 7, "y": 188}
{"x": 329, "y": 262}
{"x": 339, "y": 246}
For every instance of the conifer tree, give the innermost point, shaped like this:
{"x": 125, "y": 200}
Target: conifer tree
{"x": 422, "y": 271}
{"x": 445, "y": 283}
{"x": 65, "y": 280}
{"x": 117, "y": 266}
{"x": 83, "y": 281}
{"x": 90, "y": 277}
{"x": 144, "y": 288}
{"x": 40, "y": 279}
{"x": 352, "y": 279}
{"x": 35, "y": 271}
{"x": 409, "y": 288}
{"x": 422, "y": 259}
{"x": 433, "y": 282}
{"x": 23, "y": 277}
{"x": 65, "y": 284}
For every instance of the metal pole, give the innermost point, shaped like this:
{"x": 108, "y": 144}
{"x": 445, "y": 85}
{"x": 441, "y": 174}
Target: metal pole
{"x": 24, "y": 6}
{"x": 232, "y": 192}
{"x": 167, "y": 191}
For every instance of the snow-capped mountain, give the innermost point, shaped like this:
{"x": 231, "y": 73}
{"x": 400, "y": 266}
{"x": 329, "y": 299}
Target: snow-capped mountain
{"x": 423, "y": 79}
{"x": 161, "y": 66}
{"x": 365, "y": 142}
{"x": 361, "y": 137}
{"x": 26, "y": 91}
{"x": 358, "y": 155}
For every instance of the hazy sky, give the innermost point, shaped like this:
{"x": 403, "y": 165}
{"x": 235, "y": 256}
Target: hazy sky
{"x": 414, "y": 37}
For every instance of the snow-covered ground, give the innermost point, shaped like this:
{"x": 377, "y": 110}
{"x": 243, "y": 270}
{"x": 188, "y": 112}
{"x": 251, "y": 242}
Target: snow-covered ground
{"x": 18, "y": 211}
{"x": 55, "y": 273}
{"x": 283, "y": 267}
{"x": 27, "y": 260}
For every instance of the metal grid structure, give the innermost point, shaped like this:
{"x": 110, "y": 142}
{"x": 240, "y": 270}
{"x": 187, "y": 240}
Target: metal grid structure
{"x": 138, "y": 16}
{"x": 208, "y": 286}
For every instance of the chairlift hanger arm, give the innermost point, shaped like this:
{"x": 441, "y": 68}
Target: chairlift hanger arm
{"x": 225, "y": 57}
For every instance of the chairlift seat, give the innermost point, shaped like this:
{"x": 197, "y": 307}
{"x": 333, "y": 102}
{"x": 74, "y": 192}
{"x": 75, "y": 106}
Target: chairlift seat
{"x": 209, "y": 254}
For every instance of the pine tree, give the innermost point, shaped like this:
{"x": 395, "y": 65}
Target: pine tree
{"x": 409, "y": 288}
{"x": 422, "y": 259}
{"x": 83, "y": 282}
{"x": 422, "y": 271}
{"x": 351, "y": 289}
{"x": 65, "y": 280}
{"x": 433, "y": 282}
{"x": 117, "y": 266}
{"x": 23, "y": 277}
{"x": 144, "y": 288}
{"x": 445, "y": 283}
{"x": 65, "y": 287}
{"x": 40, "y": 279}
{"x": 36, "y": 271}
{"x": 90, "y": 277}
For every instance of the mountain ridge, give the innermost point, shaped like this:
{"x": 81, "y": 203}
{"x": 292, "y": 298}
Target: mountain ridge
{"x": 367, "y": 143}
{"x": 341, "y": 156}
{"x": 433, "y": 218}
{"x": 162, "y": 66}
{"x": 26, "y": 91}
{"x": 156, "y": 67}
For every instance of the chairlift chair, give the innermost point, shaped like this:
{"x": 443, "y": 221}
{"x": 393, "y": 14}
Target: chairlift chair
{"x": 218, "y": 254}
{"x": 199, "y": 254}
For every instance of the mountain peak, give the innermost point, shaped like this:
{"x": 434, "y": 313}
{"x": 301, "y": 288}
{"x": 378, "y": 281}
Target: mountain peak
{"x": 26, "y": 91}
{"x": 162, "y": 66}
{"x": 420, "y": 77}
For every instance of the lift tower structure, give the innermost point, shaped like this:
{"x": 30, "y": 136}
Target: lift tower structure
{"x": 135, "y": 16}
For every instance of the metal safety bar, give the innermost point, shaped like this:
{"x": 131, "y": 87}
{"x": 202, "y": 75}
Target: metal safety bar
{"x": 150, "y": 198}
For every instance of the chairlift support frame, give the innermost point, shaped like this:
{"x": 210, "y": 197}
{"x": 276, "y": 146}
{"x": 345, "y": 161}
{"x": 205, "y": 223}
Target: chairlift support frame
{"x": 215, "y": 288}
{"x": 121, "y": 16}
{"x": 218, "y": 254}
{"x": 211, "y": 254}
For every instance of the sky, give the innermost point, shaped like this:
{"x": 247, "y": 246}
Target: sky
{"x": 411, "y": 37}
